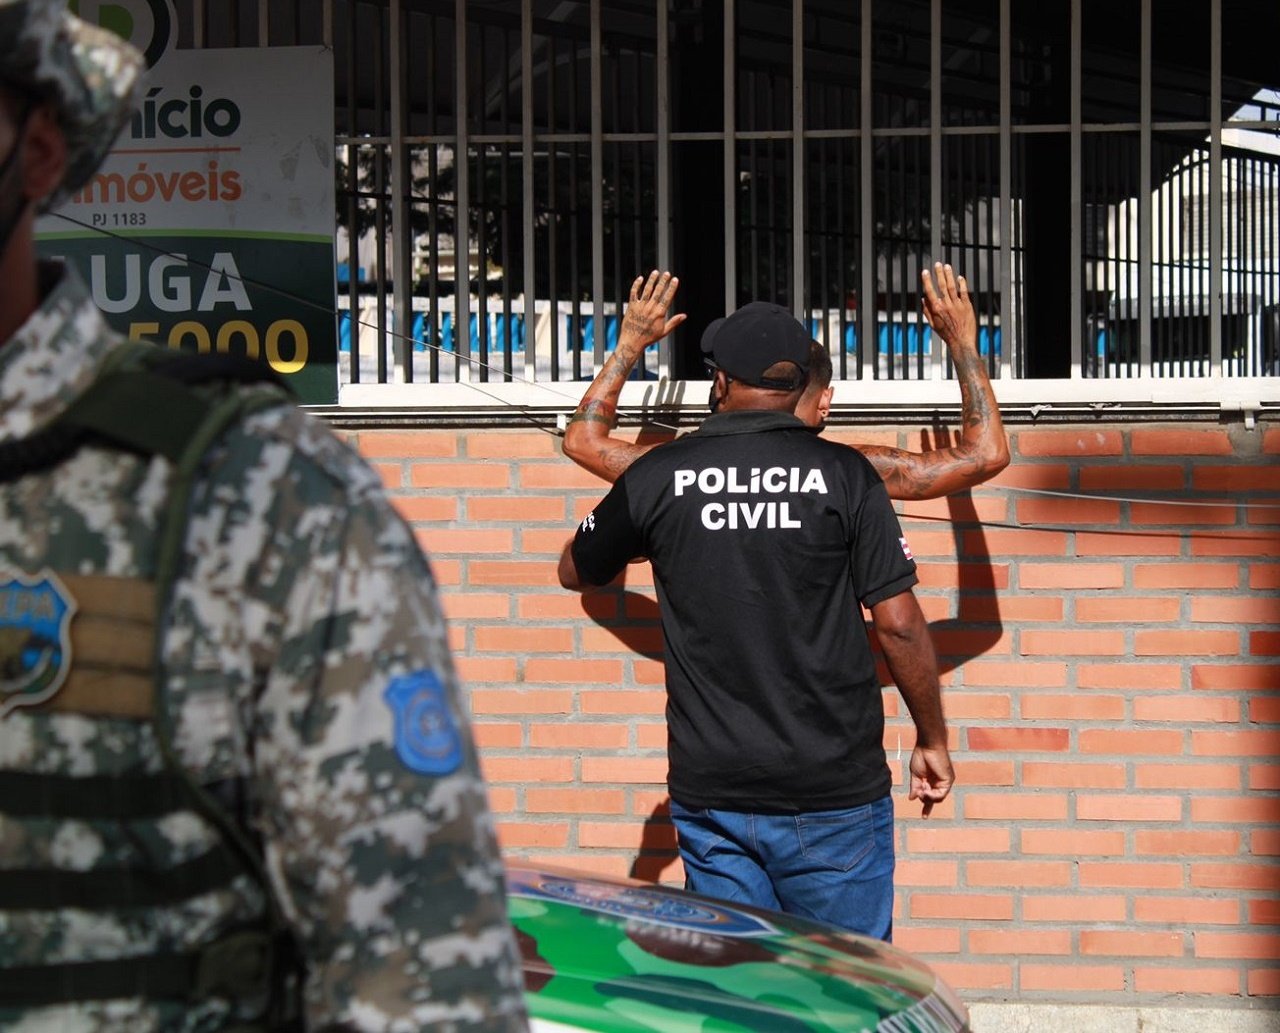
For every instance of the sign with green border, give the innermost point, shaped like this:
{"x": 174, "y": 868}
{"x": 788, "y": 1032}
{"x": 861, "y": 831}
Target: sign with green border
{"x": 210, "y": 224}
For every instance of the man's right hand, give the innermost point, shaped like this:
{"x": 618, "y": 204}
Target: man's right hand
{"x": 983, "y": 449}
{"x": 947, "y": 309}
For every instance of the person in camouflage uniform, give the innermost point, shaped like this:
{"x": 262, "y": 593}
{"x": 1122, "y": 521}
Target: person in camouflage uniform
{"x": 237, "y": 790}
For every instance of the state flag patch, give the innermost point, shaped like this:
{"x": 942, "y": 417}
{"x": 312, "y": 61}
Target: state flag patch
{"x": 906, "y": 549}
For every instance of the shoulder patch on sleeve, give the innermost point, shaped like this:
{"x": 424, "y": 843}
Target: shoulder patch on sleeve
{"x": 427, "y": 739}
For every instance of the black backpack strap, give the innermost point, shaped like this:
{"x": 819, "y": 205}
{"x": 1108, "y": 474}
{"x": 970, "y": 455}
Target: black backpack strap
{"x": 239, "y": 967}
{"x": 145, "y": 399}
{"x": 139, "y": 410}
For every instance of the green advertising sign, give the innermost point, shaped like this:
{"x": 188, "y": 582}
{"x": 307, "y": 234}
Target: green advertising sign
{"x": 210, "y": 224}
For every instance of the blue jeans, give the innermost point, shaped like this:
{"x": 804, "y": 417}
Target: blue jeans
{"x": 833, "y": 866}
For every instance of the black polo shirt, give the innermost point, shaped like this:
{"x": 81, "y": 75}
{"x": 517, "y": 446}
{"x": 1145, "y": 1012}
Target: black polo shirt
{"x": 763, "y": 539}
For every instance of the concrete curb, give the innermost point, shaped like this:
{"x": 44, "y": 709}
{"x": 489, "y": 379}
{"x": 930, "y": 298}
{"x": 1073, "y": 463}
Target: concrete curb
{"x": 989, "y": 1017}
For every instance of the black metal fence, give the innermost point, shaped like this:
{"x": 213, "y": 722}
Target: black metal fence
{"x": 1108, "y": 189}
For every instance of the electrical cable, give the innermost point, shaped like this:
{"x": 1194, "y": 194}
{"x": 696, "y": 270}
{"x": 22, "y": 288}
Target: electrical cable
{"x": 553, "y": 389}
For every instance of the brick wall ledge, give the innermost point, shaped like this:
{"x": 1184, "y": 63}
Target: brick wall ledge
{"x": 1009, "y": 1017}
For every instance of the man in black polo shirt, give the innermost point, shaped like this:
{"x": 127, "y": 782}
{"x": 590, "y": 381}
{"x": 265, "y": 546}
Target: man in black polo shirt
{"x": 764, "y": 538}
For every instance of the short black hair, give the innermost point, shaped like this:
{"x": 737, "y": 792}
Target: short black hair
{"x": 820, "y": 370}
{"x": 782, "y": 376}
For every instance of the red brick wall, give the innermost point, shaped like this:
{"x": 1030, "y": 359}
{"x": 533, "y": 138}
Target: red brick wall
{"x": 1110, "y": 676}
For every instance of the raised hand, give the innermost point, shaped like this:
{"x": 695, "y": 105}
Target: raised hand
{"x": 586, "y": 438}
{"x": 646, "y": 319}
{"x": 948, "y": 309}
{"x": 983, "y": 449}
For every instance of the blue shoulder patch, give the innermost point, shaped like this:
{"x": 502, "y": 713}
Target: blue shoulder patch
{"x": 35, "y": 638}
{"x": 426, "y": 736}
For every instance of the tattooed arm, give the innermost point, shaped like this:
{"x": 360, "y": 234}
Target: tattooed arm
{"x": 586, "y": 440}
{"x": 983, "y": 449}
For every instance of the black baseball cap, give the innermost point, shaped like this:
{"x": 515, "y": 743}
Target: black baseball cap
{"x": 754, "y": 338}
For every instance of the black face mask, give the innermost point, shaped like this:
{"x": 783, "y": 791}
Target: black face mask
{"x": 12, "y": 204}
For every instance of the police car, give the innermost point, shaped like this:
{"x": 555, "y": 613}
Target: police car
{"x": 617, "y": 956}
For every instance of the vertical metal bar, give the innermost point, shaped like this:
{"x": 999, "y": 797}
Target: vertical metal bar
{"x": 327, "y": 31}
{"x": 760, "y": 277}
{"x": 912, "y": 154}
{"x": 1101, "y": 166}
{"x": 575, "y": 278}
{"x": 1187, "y": 320}
{"x": 1175, "y": 310}
{"x": 1235, "y": 271}
{"x": 866, "y": 158}
{"x": 1256, "y": 284}
{"x": 825, "y": 240}
{"x": 755, "y": 183}
{"x": 935, "y": 165}
{"x": 662, "y": 89}
{"x": 730, "y": 163}
{"x": 842, "y": 284}
{"x": 1077, "y": 205}
{"x": 597, "y": 185}
{"x": 353, "y": 200}
{"x": 999, "y": 362}
{"x": 434, "y": 320}
{"x": 505, "y": 199}
{"x": 380, "y": 191}
{"x": 903, "y": 203}
{"x": 480, "y": 363}
{"x": 1236, "y": 268}
{"x": 553, "y": 282}
{"x": 1008, "y": 304}
{"x": 798, "y": 271}
{"x": 639, "y": 235}
{"x": 402, "y": 235}
{"x": 1165, "y": 348}
{"x": 1270, "y": 206}
{"x": 1145, "y": 308}
{"x": 614, "y": 157}
{"x": 1269, "y": 284}
{"x": 1125, "y": 281}
{"x": 1177, "y": 313}
{"x": 264, "y": 23}
{"x": 1215, "y": 188}
{"x": 462, "y": 200}
{"x": 527, "y": 193}
{"x": 197, "y": 24}
{"x": 1119, "y": 281}
{"x": 1204, "y": 260}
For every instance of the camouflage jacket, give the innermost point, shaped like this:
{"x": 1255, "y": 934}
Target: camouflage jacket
{"x": 302, "y": 612}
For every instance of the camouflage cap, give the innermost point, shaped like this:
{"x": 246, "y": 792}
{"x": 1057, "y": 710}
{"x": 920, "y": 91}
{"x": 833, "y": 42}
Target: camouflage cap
{"x": 91, "y": 76}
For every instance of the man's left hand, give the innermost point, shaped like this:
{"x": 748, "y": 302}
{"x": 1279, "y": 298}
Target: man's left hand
{"x": 646, "y": 319}
{"x": 931, "y": 776}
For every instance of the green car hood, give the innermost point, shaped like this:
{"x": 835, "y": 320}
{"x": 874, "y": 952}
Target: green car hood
{"x": 617, "y": 956}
